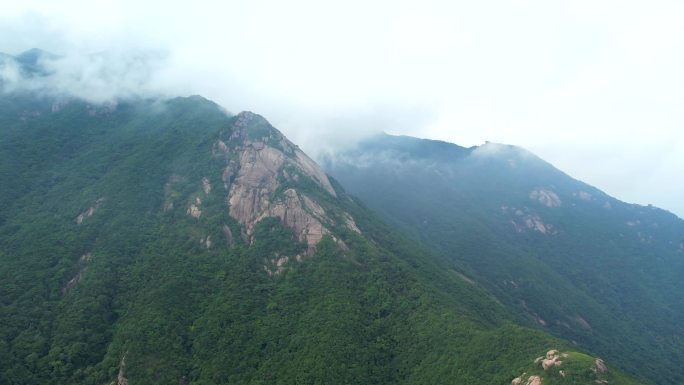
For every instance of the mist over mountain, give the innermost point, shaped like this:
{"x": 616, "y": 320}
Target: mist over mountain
{"x": 146, "y": 238}
{"x": 165, "y": 241}
{"x": 559, "y": 253}
{"x": 323, "y": 110}
{"x": 96, "y": 78}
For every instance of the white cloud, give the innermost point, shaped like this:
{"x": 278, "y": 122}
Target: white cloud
{"x": 594, "y": 87}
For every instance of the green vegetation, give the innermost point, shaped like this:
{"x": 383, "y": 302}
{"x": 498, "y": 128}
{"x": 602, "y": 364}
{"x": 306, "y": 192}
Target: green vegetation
{"x": 131, "y": 288}
{"x": 570, "y": 368}
{"x": 587, "y": 267}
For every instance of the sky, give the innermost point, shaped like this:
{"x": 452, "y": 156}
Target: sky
{"x": 595, "y": 87}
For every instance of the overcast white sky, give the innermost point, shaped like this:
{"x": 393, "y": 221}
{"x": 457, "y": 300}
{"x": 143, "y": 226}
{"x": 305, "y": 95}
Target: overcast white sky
{"x": 596, "y": 87}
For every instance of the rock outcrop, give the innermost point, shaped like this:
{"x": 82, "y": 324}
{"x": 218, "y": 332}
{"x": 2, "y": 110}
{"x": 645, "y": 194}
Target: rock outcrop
{"x": 260, "y": 162}
{"x": 525, "y": 219}
{"x": 546, "y": 197}
{"x": 600, "y": 366}
{"x": 531, "y": 380}
{"x": 194, "y": 209}
{"x": 265, "y": 176}
{"x": 349, "y": 221}
{"x": 305, "y": 219}
{"x": 206, "y": 185}
{"x": 82, "y": 268}
{"x": 88, "y": 212}
{"x": 555, "y": 364}
{"x": 228, "y": 233}
{"x": 120, "y": 378}
{"x": 552, "y": 359}
{"x": 277, "y": 265}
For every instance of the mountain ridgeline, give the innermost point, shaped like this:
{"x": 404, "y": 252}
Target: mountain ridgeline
{"x": 168, "y": 242}
{"x": 557, "y": 252}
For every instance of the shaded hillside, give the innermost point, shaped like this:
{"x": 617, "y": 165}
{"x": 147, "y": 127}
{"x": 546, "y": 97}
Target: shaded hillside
{"x": 558, "y": 252}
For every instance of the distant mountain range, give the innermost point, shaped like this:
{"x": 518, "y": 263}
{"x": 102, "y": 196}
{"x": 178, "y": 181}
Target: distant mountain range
{"x": 559, "y": 253}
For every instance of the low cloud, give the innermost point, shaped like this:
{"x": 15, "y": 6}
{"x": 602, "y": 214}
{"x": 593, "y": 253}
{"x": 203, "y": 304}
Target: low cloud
{"x": 565, "y": 76}
{"x": 96, "y": 78}
{"x": 10, "y": 74}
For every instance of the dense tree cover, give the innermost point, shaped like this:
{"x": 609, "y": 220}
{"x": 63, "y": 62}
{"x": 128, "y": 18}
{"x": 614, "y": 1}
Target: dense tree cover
{"x": 131, "y": 288}
{"x": 600, "y": 272}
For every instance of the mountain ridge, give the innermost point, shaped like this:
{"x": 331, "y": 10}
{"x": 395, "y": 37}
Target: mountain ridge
{"x": 122, "y": 261}
{"x": 148, "y": 241}
{"x": 554, "y": 249}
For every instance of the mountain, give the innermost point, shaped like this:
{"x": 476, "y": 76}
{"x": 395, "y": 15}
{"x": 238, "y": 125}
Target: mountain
{"x": 168, "y": 242}
{"x": 26, "y": 64}
{"x": 148, "y": 241}
{"x": 559, "y": 253}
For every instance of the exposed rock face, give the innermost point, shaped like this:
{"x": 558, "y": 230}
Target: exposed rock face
{"x": 600, "y": 366}
{"x": 549, "y": 363}
{"x": 83, "y": 267}
{"x": 349, "y": 221}
{"x": 262, "y": 161}
{"x": 585, "y": 196}
{"x": 206, "y": 185}
{"x": 293, "y": 214}
{"x": 524, "y": 219}
{"x": 194, "y": 209}
{"x": 531, "y": 380}
{"x": 88, "y": 212}
{"x": 555, "y": 362}
{"x": 278, "y": 264}
{"x": 546, "y": 197}
{"x": 583, "y": 323}
{"x": 220, "y": 147}
{"x": 278, "y": 142}
{"x": 312, "y": 169}
{"x": 552, "y": 359}
{"x": 264, "y": 175}
{"x": 250, "y": 193}
{"x": 313, "y": 207}
{"x": 206, "y": 241}
{"x": 228, "y": 174}
{"x": 534, "y": 222}
{"x": 120, "y": 378}
{"x": 228, "y": 233}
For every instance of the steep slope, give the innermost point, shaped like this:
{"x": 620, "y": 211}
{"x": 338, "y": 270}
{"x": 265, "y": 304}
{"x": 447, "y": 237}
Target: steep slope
{"x": 561, "y": 254}
{"x": 167, "y": 242}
